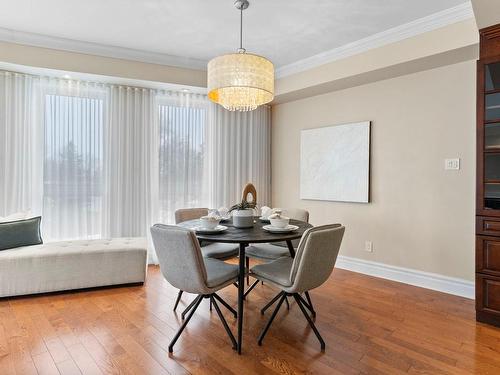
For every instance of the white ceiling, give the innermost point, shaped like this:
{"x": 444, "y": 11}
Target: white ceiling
{"x": 285, "y": 31}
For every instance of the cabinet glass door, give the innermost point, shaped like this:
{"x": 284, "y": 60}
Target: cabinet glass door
{"x": 492, "y": 181}
{"x": 492, "y": 76}
{"x": 492, "y": 167}
{"x": 492, "y": 108}
{"x": 492, "y": 136}
{"x": 492, "y": 196}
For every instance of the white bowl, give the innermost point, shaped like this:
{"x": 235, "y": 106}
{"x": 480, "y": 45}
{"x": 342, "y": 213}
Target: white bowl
{"x": 281, "y": 222}
{"x": 209, "y": 222}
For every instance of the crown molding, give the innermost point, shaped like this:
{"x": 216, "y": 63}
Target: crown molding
{"x": 434, "y": 21}
{"x": 45, "y": 41}
{"x": 428, "y": 23}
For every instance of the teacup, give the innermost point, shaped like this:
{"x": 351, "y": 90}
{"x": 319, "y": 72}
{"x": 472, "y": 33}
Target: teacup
{"x": 279, "y": 221}
{"x": 209, "y": 222}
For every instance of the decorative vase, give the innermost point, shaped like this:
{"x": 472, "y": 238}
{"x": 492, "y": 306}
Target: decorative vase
{"x": 243, "y": 218}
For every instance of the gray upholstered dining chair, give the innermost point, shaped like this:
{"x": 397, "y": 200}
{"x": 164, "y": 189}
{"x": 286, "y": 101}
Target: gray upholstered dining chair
{"x": 312, "y": 266}
{"x": 222, "y": 251}
{"x": 266, "y": 252}
{"x": 183, "y": 265}
{"x": 272, "y": 251}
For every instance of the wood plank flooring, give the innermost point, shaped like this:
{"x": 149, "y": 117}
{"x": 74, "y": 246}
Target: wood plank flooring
{"x": 370, "y": 325}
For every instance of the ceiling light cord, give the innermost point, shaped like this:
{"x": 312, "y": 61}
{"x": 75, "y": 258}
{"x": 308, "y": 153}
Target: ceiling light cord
{"x": 241, "y": 29}
{"x": 241, "y": 49}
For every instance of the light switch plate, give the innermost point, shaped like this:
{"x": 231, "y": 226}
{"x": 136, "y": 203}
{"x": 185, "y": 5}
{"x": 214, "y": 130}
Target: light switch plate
{"x": 452, "y": 164}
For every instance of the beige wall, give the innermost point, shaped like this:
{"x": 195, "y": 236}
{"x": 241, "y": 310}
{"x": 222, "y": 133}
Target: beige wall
{"x": 92, "y": 64}
{"x": 447, "y": 45}
{"x": 421, "y": 216}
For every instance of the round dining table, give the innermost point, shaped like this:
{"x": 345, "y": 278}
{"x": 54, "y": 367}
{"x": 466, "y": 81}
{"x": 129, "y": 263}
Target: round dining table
{"x": 245, "y": 237}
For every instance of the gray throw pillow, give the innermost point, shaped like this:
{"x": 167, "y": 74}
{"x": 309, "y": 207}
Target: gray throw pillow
{"x": 20, "y": 233}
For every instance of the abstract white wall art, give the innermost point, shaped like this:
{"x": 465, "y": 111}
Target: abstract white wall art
{"x": 335, "y": 163}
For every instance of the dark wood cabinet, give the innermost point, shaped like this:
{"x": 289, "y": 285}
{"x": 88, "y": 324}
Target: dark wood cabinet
{"x": 488, "y": 178}
{"x": 488, "y": 255}
{"x": 488, "y": 225}
{"x": 488, "y": 299}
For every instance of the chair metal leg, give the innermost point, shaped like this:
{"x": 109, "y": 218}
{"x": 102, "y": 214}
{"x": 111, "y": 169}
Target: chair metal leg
{"x": 186, "y": 310}
{"x": 266, "y": 328}
{"x": 287, "y": 304}
{"x": 309, "y": 320}
{"x": 309, "y": 307}
{"x": 226, "y": 305}
{"x": 224, "y": 323}
{"x": 263, "y": 310}
{"x": 309, "y": 304}
{"x": 184, "y": 324}
{"x": 251, "y": 287}
{"x": 179, "y": 295}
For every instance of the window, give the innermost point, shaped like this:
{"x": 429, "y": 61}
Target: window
{"x": 73, "y": 160}
{"x": 182, "y": 157}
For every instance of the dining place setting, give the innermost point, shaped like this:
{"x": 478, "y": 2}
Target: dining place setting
{"x": 217, "y": 221}
{"x": 242, "y": 215}
{"x": 193, "y": 257}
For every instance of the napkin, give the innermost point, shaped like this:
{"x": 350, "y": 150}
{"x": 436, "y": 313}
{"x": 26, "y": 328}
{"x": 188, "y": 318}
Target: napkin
{"x": 265, "y": 212}
{"x": 224, "y": 213}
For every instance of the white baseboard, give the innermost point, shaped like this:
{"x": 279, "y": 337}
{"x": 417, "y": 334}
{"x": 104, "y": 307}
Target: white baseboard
{"x": 434, "y": 281}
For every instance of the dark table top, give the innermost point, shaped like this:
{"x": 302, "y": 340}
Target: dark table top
{"x": 248, "y": 235}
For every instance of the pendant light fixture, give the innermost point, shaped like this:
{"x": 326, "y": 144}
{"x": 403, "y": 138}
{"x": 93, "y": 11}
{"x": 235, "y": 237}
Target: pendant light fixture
{"x": 240, "y": 81}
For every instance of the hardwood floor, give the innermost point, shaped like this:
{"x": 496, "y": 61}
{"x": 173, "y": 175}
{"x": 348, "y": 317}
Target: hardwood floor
{"x": 370, "y": 325}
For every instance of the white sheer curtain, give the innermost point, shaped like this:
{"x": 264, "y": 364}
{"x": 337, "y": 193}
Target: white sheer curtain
{"x": 238, "y": 152}
{"x": 99, "y": 160}
{"x": 21, "y": 144}
{"x": 74, "y": 123}
{"x": 131, "y": 162}
{"x": 182, "y": 127}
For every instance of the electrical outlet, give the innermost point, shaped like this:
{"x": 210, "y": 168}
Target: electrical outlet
{"x": 452, "y": 164}
{"x": 369, "y": 246}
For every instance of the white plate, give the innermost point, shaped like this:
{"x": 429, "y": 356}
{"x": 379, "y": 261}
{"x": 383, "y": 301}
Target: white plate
{"x": 217, "y": 229}
{"x": 289, "y": 228}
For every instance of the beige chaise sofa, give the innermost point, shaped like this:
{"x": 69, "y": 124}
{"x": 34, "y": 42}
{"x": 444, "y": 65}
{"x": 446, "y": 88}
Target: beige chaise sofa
{"x": 68, "y": 265}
